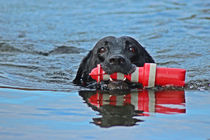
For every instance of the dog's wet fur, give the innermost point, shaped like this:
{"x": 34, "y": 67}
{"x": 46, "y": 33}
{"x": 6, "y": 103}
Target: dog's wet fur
{"x": 121, "y": 54}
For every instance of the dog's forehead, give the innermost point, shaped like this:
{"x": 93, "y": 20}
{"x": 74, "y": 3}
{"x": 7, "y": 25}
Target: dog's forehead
{"x": 105, "y": 41}
{"x": 128, "y": 39}
{"x": 108, "y": 40}
{"x": 116, "y": 42}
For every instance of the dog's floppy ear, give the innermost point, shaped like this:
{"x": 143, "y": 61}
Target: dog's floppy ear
{"x": 85, "y": 67}
{"x": 147, "y": 56}
{"x": 82, "y": 71}
{"x": 142, "y": 57}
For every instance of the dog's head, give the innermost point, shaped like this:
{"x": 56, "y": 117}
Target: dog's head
{"x": 120, "y": 54}
{"x": 115, "y": 55}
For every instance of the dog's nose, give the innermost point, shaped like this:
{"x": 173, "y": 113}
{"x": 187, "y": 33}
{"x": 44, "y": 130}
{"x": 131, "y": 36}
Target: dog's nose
{"x": 116, "y": 60}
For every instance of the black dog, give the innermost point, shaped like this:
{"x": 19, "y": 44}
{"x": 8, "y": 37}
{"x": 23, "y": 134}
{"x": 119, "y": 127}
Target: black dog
{"x": 122, "y": 55}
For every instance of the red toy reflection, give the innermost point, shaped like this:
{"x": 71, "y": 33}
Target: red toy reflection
{"x": 120, "y": 109}
{"x": 148, "y": 101}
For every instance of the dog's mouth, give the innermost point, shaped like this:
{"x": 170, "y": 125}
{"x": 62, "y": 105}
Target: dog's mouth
{"x": 112, "y": 80}
{"x": 120, "y": 83}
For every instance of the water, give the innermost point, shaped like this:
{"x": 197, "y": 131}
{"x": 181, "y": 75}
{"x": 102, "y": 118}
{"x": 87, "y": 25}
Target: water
{"x": 43, "y": 42}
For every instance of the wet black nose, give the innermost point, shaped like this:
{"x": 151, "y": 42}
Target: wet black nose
{"x": 116, "y": 60}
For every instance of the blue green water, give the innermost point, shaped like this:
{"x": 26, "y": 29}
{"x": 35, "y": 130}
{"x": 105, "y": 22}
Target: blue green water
{"x": 42, "y": 43}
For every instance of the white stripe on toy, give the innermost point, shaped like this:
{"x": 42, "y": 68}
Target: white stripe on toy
{"x": 120, "y": 76}
{"x": 135, "y": 76}
{"x": 152, "y": 74}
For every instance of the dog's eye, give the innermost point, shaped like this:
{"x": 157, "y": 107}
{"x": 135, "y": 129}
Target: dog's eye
{"x": 132, "y": 49}
{"x": 102, "y": 50}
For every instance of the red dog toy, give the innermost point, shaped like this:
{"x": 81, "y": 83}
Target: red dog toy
{"x": 148, "y": 76}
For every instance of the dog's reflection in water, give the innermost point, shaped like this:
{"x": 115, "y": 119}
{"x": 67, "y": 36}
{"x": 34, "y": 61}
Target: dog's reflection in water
{"x": 120, "y": 109}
